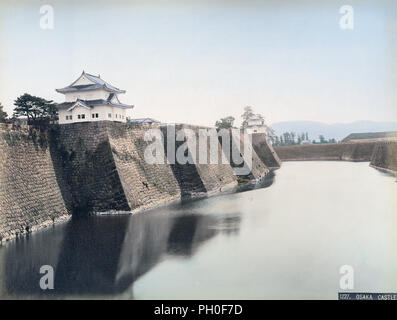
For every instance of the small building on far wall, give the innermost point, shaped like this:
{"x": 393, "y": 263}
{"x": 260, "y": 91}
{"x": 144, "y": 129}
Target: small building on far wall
{"x": 89, "y": 98}
{"x": 255, "y": 124}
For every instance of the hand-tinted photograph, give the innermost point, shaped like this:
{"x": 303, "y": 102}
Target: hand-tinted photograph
{"x": 198, "y": 150}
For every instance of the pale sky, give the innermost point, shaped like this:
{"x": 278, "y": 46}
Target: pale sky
{"x": 198, "y": 61}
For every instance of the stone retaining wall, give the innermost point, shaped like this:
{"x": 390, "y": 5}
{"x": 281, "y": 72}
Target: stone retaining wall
{"x": 202, "y": 177}
{"x": 30, "y": 196}
{"x": 258, "y": 168}
{"x": 265, "y": 151}
{"x": 358, "y": 151}
{"x": 144, "y": 185}
{"x": 385, "y": 156}
{"x": 98, "y": 167}
{"x": 88, "y": 167}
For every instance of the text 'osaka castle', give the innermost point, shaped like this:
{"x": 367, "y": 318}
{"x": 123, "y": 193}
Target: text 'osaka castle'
{"x": 89, "y": 98}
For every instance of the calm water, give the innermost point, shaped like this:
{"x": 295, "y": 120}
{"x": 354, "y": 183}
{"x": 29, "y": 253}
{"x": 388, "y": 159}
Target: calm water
{"x": 284, "y": 241}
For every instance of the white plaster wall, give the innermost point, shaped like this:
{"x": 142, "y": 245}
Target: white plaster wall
{"x": 102, "y": 110}
{"x": 62, "y": 116}
{"x": 119, "y": 114}
{"x": 256, "y": 129}
{"x": 87, "y": 95}
{"x": 254, "y": 122}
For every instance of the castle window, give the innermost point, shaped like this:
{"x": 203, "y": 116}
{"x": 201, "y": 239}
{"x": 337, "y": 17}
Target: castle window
{"x": 78, "y": 116}
{"x": 67, "y": 117}
{"x": 93, "y": 115}
{"x": 109, "y": 115}
{"x": 96, "y": 115}
{"x": 83, "y": 116}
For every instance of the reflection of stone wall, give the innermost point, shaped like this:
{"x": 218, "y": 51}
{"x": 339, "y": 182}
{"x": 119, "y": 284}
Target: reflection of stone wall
{"x": 361, "y": 151}
{"x": 385, "y": 155}
{"x": 113, "y": 252}
{"x": 30, "y": 197}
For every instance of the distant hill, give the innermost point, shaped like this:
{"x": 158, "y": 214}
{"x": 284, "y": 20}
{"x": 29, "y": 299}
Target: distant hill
{"x": 336, "y": 130}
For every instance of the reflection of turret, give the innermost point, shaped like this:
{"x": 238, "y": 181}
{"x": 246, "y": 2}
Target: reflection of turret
{"x": 105, "y": 255}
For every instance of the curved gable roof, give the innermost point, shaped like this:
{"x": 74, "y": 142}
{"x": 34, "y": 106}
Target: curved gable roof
{"x": 92, "y": 103}
{"x": 97, "y": 83}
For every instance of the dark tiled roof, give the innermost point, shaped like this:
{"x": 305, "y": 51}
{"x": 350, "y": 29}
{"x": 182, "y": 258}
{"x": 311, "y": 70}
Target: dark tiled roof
{"x": 110, "y": 96}
{"x": 92, "y": 103}
{"x": 255, "y": 125}
{"x": 98, "y": 83}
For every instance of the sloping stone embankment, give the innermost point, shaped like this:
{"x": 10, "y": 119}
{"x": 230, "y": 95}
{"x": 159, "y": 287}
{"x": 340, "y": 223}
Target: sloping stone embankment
{"x": 265, "y": 151}
{"x": 98, "y": 167}
{"x": 350, "y": 151}
{"x": 88, "y": 168}
{"x": 30, "y": 196}
{"x": 385, "y": 156}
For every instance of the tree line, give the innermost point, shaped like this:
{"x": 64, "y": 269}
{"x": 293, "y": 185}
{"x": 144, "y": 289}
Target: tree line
{"x": 36, "y": 110}
{"x": 285, "y": 139}
{"x": 292, "y": 138}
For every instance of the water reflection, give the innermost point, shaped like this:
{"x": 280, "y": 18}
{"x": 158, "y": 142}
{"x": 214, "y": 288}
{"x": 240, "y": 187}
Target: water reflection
{"x": 103, "y": 255}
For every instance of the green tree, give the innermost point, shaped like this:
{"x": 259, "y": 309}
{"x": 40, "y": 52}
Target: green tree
{"x": 3, "y": 114}
{"x": 292, "y": 135}
{"x": 36, "y": 109}
{"x": 248, "y": 113}
{"x": 271, "y": 135}
{"x": 50, "y": 110}
{"x": 299, "y": 139}
{"x": 322, "y": 139}
{"x": 225, "y": 123}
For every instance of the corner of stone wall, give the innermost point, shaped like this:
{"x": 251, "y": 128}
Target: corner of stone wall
{"x": 87, "y": 166}
{"x": 145, "y": 185}
{"x": 30, "y": 197}
{"x": 265, "y": 151}
{"x": 384, "y": 155}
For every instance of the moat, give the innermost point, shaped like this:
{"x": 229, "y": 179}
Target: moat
{"x": 286, "y": 240}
